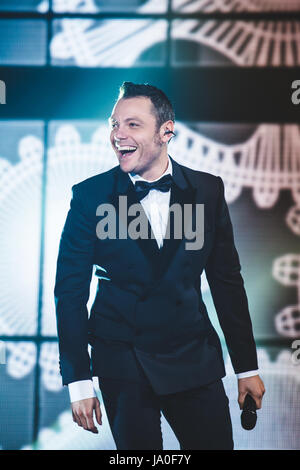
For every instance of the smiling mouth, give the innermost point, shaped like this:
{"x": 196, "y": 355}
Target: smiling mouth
{"x": 125, "y": 151}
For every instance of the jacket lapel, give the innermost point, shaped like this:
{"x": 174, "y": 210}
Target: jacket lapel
{"x": 182, "y": 192}
{"x": 124, "y": 187}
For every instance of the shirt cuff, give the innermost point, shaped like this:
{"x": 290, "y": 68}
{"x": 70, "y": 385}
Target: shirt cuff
{"x": 250, "y": 373}
{"x": 81, "y": 390}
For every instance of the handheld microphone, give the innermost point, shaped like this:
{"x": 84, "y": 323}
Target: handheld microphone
{"x": 248, "y": 416}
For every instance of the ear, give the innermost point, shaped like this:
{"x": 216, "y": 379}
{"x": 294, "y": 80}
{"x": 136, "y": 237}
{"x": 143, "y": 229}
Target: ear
{"x": 163, "y": 132}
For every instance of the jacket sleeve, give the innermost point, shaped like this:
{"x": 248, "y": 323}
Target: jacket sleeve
{"x": 72, "y": 288}
{"x": 223, "y": 272}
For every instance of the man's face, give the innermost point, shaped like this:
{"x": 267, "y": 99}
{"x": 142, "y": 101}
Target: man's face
{"x": 137, "y": 144}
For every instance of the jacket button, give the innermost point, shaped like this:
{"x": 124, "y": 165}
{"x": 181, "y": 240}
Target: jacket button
{"x": 143, "y": 297}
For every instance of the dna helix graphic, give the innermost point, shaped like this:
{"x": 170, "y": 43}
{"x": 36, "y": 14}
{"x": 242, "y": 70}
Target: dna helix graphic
{"x": 193, "y": 6}
{"x": 120, "y": 42}
{"x": 286, "y": 269}
{"x": 293, "y": 220}
{"x": 92, "y": 6}
{"x": 268, "y": 162}
{"x": 81, "y": 6}
{"x": 184, "y": 6}
{"x": 245, "y": 43}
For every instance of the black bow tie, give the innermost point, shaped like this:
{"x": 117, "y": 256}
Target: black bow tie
{"x": 142, "y": 188}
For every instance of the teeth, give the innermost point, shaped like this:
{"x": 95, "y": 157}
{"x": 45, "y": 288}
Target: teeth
{"x": 119, "y": 147}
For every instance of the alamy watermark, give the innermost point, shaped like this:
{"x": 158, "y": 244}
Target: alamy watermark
{"x": 296, "y": 354}
{"x": 2, "y": 92}
{"x": 180, "y": 218}
{"x": 296, "y": 94}
{"x": 2, "y": 353}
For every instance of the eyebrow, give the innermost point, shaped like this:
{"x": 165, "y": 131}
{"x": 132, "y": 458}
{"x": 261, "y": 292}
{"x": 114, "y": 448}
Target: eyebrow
{"x": 134, "y": 118}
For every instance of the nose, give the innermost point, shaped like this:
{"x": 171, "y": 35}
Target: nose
{"x": 119, "y": 134}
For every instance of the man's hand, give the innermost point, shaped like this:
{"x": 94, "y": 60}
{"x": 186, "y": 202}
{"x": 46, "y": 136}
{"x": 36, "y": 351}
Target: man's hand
{"x": 252, "y": 385}
{"x": 82, "y": 411}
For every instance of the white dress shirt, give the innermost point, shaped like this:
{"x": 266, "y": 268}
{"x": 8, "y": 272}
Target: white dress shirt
{"x": 156, "y": 206}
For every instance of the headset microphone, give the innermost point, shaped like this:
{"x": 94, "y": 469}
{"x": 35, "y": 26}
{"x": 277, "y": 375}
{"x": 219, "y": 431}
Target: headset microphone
{"x": 169, "y": 132}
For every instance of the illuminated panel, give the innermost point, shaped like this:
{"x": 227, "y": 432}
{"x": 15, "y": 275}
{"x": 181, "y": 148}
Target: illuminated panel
{"x": 77, "y": 150}
{"x": 251, "y": 6}
{"x": 21, "y": 159}
{"x": 109, "y": 43}
{"x": 240, "y": 43}
{"x": 24, "y": 5}
{"x": 22, "y": 42}
{"x": 59, "y": 432}
{"x": 54, "y": 398}
{"x": 95, "y": 6}
{"x": 260, "y": 166}
{"x": 278, "y": 421}
{"x": 280, "y": 406}
{"x": 17, "y": 392}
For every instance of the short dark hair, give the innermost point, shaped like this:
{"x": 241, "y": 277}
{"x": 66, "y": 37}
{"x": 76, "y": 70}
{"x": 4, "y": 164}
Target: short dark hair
{"x": 162, "y": 106}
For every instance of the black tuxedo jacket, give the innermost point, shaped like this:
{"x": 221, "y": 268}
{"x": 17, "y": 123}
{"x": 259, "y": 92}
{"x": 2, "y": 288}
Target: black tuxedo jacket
{"x": 150, "y": 306}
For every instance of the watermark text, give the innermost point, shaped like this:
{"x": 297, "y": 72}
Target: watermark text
{"x": 2, "y": 353}
{"x": 296, "y": 94}
{"x": 296, "y": 354}
{"x": 2, "y": 92}
{"x": 185, "y": 221}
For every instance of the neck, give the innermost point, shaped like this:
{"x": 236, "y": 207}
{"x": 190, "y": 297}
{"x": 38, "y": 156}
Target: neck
{"x": 157, "y": 170}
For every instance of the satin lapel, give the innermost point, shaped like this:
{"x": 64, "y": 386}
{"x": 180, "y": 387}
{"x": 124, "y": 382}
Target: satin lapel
{"x": 124, "y": 187}
{"x": 171, "y": 244}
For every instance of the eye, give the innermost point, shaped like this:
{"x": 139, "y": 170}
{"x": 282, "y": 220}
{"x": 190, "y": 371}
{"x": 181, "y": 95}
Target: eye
{"x": 133, "y": 124}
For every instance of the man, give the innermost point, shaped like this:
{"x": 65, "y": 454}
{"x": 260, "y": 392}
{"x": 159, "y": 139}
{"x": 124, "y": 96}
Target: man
{"x": 153, "y": 346}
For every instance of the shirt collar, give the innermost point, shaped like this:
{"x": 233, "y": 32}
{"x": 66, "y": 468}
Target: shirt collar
{"x": 135, "y": 177}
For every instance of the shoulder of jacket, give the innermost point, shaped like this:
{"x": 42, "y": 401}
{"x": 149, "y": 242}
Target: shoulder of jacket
{"x": 199, "y": 177}
{"x": 101, "y": 180}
